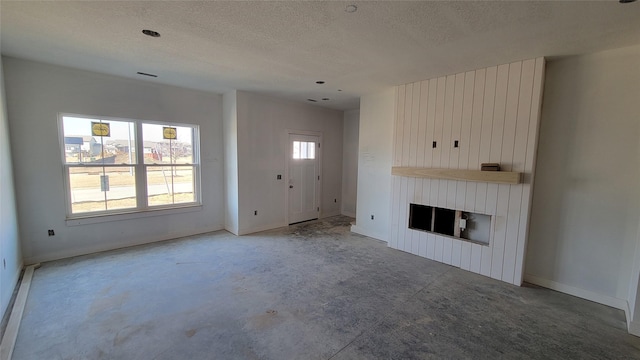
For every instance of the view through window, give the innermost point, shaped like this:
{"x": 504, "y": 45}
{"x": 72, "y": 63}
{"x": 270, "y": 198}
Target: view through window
{"x": 128, "y": 165}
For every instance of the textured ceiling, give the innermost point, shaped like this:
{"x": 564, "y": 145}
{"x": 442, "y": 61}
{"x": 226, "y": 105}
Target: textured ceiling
{"x": 282, "y": 48}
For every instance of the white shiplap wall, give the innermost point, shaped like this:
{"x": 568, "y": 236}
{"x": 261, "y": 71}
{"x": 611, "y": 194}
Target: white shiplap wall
{"x": 494, "y": 114}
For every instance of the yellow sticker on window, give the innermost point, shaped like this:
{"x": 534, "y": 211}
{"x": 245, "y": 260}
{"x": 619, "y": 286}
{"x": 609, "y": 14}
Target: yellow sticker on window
{"x": 100, "y": 129}
{"x": 169, "y": 133}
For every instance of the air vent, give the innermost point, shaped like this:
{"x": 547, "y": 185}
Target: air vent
{"x": 146, "y": 74}
{"x": 151, "y": 33}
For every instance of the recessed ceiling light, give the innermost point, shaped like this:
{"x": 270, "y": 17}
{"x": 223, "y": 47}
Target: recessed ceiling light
{"x": 146, "y": 74}
{"x": 151, "y": 33}
{"x": 351, "y": 8}
{"x": 312, "y": 100}
{"x": 325, "y": 99}
{"x": 319, "y": 82}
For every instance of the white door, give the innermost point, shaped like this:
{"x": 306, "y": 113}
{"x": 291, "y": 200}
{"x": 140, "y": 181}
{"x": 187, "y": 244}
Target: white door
{"x": 304, "y": 177}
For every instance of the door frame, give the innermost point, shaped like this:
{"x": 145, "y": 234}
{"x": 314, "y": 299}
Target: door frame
{"x": 285, "y": 183}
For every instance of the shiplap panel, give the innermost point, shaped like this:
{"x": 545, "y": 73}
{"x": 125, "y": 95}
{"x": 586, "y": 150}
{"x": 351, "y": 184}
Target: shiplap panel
{"x": 404, "y": 206}
{"x": 439, "y": 248}
{"x": 431, "y": 246}
{"x": 532, "y": 140}
{"x": 495, "y": 154}
{"x": 413, "y": 135}
{"x": 494, "y": 114}
{"x": 447, "y": 142}
{"x": 399, "y": 128}
{"x": 395, "y": 211}
{"x": 456, "y": 253}
{"x": 485, "y": 133}
{"x": 411, "y": 183}
{"x": 456, "y": 129}
{"x": 474, "y": 140}
{"x": 447, "y": 250}
{"x": 476, "y": 257}
{"x": 465, "y": 258}
{"x": 413, "y": 158}
{"x": 508, "y": 148}
{"x": 406, "y": 130}
{"x": 519, "y": 157}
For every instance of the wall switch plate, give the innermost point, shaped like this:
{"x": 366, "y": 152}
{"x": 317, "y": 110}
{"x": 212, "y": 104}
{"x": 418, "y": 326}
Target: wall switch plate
{"x": 434, "y": 144}
{"x": 51, "y": 232}
{"x": 455, "y": 143}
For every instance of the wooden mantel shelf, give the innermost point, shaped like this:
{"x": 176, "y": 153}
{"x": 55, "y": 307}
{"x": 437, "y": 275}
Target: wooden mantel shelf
{"x": 499, "y": 177}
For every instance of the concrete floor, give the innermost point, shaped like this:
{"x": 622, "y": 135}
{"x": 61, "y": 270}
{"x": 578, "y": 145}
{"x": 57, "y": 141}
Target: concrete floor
{"x": 310, "y": 291}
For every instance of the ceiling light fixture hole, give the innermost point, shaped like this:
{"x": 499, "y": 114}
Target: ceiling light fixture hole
{"x": 351, "y": 8}
{"x": 151, "y": 33}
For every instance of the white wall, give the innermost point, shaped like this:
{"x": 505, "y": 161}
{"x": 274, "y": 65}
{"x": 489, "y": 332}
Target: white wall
{"x": 586, "y": 204}
{"x": 230, "y": 133}
{"x": 10, "y": 255}
{"x": 262, "y": 152}
{"x": 375, "y": 155}
{"x": 36, "y": 92}
{"x": 350, "y": 162}
{"x": 493, "y": 113}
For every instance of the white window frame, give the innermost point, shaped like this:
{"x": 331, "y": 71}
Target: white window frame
{"x": 142, "y": 207}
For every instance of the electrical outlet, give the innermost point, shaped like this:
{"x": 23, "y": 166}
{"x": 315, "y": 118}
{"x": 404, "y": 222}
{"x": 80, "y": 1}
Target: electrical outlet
{"x": 455, "y": 144}
{"x": 255, "y": 212}
{"x": 279, "y": 177}
{"x": 50, "y": 232}
{"x": 371, "y": 217}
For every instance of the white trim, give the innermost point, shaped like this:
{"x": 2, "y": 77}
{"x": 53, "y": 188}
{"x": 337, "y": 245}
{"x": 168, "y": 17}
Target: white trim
{"x": 634, "y": 328}
{"x": 349, "y": 214}
{"x": 11, "y": 333}
{"x": 584, "y": 294}
{"x": 359, "y": 230}
{"x": 259, "y": 228}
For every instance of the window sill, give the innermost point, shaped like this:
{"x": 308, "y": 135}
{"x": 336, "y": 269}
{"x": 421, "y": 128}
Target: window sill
{"x": 77, "y": 221}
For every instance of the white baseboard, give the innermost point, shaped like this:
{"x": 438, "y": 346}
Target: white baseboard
{"x": 349, "y": 214}
{"x": 634, "y": 328}
{"x": 362, "y": 231}
{"x": 259, "y": 228}
{"x": 581, "y": 293}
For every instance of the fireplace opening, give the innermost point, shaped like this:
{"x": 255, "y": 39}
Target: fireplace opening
{"x": 444, "y": 222}
{"x": 459, "y": 224}
{"x": 420, "y": 217}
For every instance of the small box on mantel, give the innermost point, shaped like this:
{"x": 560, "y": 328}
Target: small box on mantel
{"x": 490, "y": 167}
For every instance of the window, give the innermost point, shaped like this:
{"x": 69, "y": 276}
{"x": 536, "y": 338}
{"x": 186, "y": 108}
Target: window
{"x": 304, "y": 150}
{"x": 120, "y": 165}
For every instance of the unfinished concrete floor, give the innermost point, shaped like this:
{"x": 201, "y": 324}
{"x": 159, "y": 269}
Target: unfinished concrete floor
{"x": 310, "y": 291}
